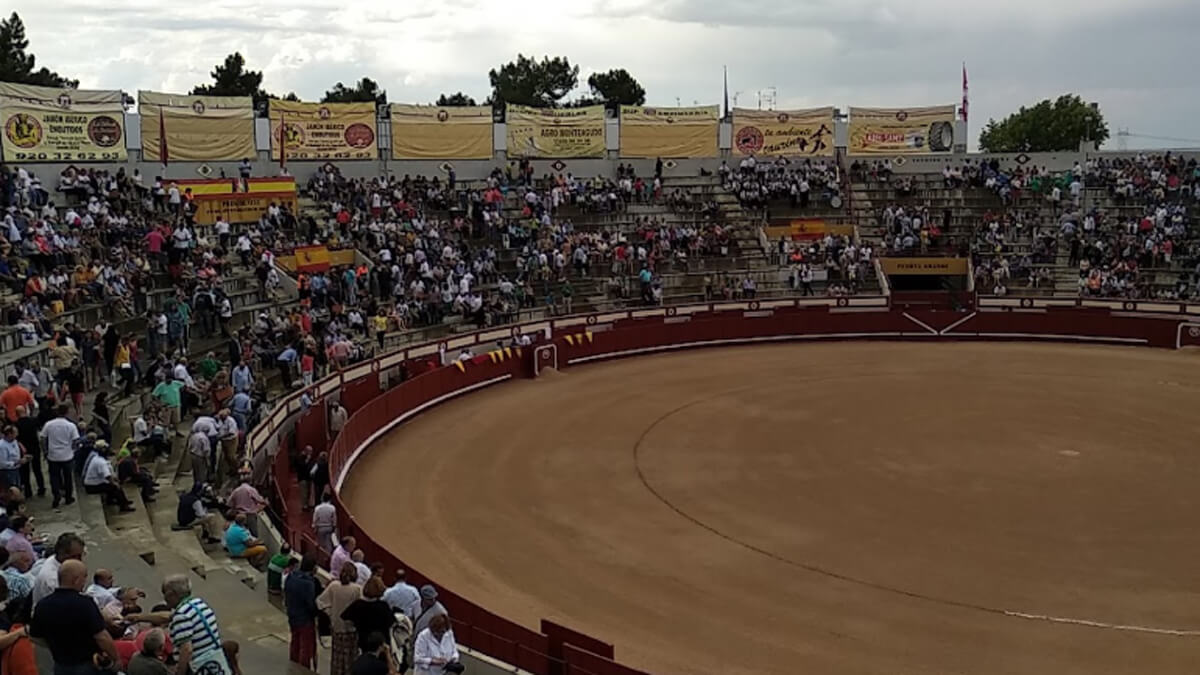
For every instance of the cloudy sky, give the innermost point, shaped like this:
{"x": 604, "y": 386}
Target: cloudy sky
{"x": 1133, "y": 58}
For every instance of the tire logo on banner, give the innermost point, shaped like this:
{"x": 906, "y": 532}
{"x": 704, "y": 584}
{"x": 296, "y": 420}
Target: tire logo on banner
{"x": 754, "y": 305}
{"x": 1194, "y": 331}
{"x": 324, "y": 113}
{"x": 749, "y": 140}
{"x": 198, "y": 107}
{"x": 843, "y": 302}
{"x": 23, "y": 131}
{"x": 64, "y": 100}
{"x": 1128, "y": 306}
{"x": 783, "y": 118}
{"x": 672, "y": 311}
{"x": 901, "y": 115}
{"x": 443, "y": 115}
{"x": 545, "y": 354}
{"x": 359, "y": 135}
{"x": 1026, "y": 302}
{"x": 104, "y": 131}
{"x": 591, "y": 320}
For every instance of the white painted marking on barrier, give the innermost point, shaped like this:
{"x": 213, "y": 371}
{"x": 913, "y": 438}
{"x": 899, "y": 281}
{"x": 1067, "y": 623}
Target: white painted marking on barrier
{"x": 958, "y": 323}
{"x": 920, "y": 323}
{"x": 404, "y": 416}
{"x": 1055, "y": 336}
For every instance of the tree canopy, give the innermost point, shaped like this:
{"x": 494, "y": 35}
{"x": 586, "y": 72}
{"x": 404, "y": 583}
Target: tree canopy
{"x": 541, "y": 84}
{"x": 365, "y": 91}
{"x": 1046, "y": 127}
{"x": 455, "y": 99}
{"x": 19, "y": 66}
{"x": 231, "y": 78}
{"x": 616, "y": 88}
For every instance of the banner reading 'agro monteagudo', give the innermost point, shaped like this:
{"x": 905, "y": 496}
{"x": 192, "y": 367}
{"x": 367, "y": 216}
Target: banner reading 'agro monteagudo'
{"x": 448, "y": 132}
{"x": 669, "y": 132}
{"x": 51, "y": 124}
{"x": 789, "y": 133}
{"x": 901, "y": 130}
{"x": 555, "y": 132}
{"x": 198, "y": 128}
{"x": 324, "y": 131}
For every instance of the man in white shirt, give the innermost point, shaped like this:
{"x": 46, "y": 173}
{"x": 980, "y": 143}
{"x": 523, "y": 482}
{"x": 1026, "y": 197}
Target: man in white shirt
{"x": 99, "y": 479}
{"x": 403, "y": 597}
{"x": 199, "y": 449}
{"x": 434, "y": 647}
{"x": 324, "y": 522}
{"x": 60, "y": 435}
{"x": 68, "y": 546}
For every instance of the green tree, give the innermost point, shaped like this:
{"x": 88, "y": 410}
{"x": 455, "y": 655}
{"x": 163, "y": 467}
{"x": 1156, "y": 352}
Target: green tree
{"x": 232, "y": 79}
{"x": 1046, "y": 127}
{"x": 455, "y": 99}
{"x": 616, "y": 88}
{"x": 366, "y": 90}
{"x": 541, "y": 84}
{"x": 18, "y": 66}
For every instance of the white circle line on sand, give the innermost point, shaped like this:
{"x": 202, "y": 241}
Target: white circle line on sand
{"x": 1177, "y": 632}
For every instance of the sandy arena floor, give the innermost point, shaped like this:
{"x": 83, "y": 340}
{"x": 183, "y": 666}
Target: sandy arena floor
{"x": 822, "y": 508}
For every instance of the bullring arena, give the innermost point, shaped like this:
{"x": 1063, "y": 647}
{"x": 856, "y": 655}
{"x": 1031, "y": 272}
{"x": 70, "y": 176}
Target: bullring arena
{"x": 936, "y": 505}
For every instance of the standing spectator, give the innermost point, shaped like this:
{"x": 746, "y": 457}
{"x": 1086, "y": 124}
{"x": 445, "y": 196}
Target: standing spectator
{"x": 434, "y": 651}
{"x": 27, "y": 436}
{"x": 199, "y": 450}
{"x": 67, "y": 547}
{"x": 337, "y": 419}
{"x": 300, "y": 597}
{"x": 370, "y": 613}
{"x": 227, "y": 436}
{"x": 71, "y": 624}
{"x": 334, "y": 600}
{"x": 320, "y": 476}
{"x": 341, "y": 554}
{"x": 403, "y": 597}
{"x": 193, "y": 630}
{"x": 11, "y": 460}
{"x": 247, "y": 500}
{"x": 324, "y": 522}
{"x": 430, "y": 607}
{"x": 16, "y": 396}
{"x": 60, "y": 434}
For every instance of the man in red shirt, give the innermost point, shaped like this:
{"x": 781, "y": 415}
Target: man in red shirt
{"x": 16, "y": 396}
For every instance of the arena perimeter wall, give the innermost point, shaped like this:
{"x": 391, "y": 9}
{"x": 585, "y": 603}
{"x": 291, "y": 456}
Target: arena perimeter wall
{"x": 556, "y": 650}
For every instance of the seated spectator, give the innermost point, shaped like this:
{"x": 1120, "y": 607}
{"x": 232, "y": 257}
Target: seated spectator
{"x": 98, "y": 478}
{"x": 240, "y": 544}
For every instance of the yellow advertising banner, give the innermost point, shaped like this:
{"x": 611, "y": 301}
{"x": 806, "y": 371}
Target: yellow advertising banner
{"x": 198, "y": 128}
{"x": 50, "y": 134}
{"x": 892, "y": 131}
{"x": 324, "y": 131}
{"x": 791, "y": 133}
{"x": 60, "y": 97}
{"x": 240, "y": 207}
{"x": 806, "y": 228}
{"x": 669, "y": 132}
{"x": 51, "y": 124}
{"x": 555, "y": 132}
{"x": 924, "y": 266}
{"x": 449, "y": 132}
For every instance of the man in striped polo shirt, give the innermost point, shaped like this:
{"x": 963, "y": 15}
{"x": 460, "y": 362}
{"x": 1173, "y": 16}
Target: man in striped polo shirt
{"x": 193, "y": 630}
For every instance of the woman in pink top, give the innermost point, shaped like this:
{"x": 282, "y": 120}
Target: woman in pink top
{"x": 22, "y": 530}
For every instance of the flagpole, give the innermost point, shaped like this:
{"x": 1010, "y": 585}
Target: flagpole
{"x": 163, "y": 152}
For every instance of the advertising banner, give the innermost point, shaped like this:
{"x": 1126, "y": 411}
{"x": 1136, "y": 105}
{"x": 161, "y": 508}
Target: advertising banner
{"x": 669, "y": 132}
{"x": 892, "y": 131}
{"x": 323, "y": 131}
{"x": 49, "y": 124}
{"x": 790, "y": 133}
{"x": 198, "y": 128}
{"x": 555, "y": 132}
{"x": 447, "y": 132}
{"x": 806, "y": 228}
